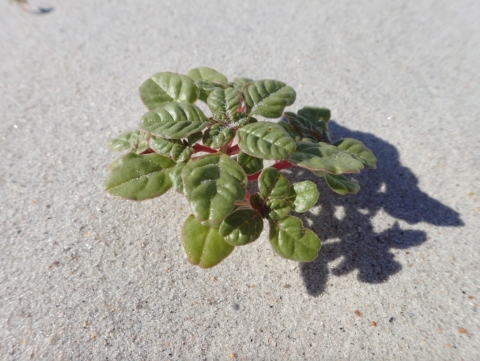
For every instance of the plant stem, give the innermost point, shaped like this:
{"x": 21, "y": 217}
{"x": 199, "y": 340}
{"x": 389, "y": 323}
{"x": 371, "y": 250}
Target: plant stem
{"x": 233, "y": 150}
{"x": 201, "y": 148}
{"x": 279, "y": 165}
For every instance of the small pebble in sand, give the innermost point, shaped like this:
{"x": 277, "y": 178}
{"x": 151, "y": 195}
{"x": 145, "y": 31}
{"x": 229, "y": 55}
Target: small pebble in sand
{"x": 462, "y": 330}
{"x": 357, "y": 312}
{"x": 373, "y": 323}
{"x": 235, "y": 307}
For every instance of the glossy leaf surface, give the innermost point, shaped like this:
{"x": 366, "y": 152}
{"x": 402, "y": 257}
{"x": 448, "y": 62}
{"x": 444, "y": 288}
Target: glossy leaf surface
{"x": 273, "y": 185}
{"x": 268, "y": 98}
{"x": 358, "y": 150}
{"x": 315, "y": 114}
{"x": 167, "y": 87}
{"x": 225, "y": 103}
{"x": 139, "y": 177}
{"x": 277, "y": 209}
{"x": 241, "y": 227}
{"x": 173, "y": 148}
{"x": 249, "y": 164}
{"x": 176, "y": 176}
{"x": 302, "y": 196}
{"x": 212, "y": 184}
{"x": 207, "y": 75}
{"x": 324, "y": 157}
{"x": 174, "y": 120}
{"x": 265, "y": 140}
{"x": 290, "y": 240}
{"x": 217, "y": 136}
{"x": 133, "y": 141}
{"x": 341, "y": 184}
{"x": 203, "y": 246}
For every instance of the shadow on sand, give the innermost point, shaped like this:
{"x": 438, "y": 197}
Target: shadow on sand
{"x": 392, "y": 188}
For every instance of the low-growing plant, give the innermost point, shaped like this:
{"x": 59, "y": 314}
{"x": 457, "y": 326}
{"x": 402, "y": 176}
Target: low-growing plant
{"x": 211, "y": 159}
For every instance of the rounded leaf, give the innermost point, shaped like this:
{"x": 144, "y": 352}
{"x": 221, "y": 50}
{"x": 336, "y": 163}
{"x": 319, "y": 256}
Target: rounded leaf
{"x": 207, "y": 75}
{"x": 273, "y": 185}
{"x": 341, "y": 184}
{"x": 122, "y": 142}
{"x": 203, "y": 246}
{"x": 290, "y": 240}
{"x": 212, "y": 184}
{"x": 277, "y": 209}
{"x": 241, "y": 227}
{"x": 268, "y": 98}
{"x": 174, "y": 120}
{"x": 324, "y": 157}
{"x": 225, "y": 103}
{"x": 168, "y": 87}
{"x": 303, "y": 196}
{"x": 265, "y": 140}
{"x": 139, "y": 177}
{"x": 249, "y": 164}
{"x": 217, "y": 136}
{"x": 315, "y": 114}
{"x": 176, "y": 176}
{"x": 359, "y": 151}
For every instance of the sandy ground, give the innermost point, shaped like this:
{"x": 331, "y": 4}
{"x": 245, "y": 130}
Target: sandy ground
{"x": 87, "y": 277}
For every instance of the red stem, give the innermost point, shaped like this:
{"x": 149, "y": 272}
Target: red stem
{"x": 233, "y": 150}
{"x": 201, "y": 148}
{"x": 279, "y": 165}
{"x": 148, "y": 151}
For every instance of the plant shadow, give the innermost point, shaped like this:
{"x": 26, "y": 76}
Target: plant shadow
{"x": 392, "y": 188}
{"x": 42, "y": 11}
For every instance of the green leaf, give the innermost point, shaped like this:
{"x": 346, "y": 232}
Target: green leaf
{"x": 303, "y": 196}
{"x": 293, "y": 132}
{"x": 242, "y": 119}
{"x": 241, "y": 227}
{"x": 319, "y": 118}
{"x": 249, "y": 164}
{"x": 290, "y": 240}
{"x": 225, "y": 103}
{"x": 309, "y": 128}
{"x": 194, "y": 138}
{"x": 324, "y": 157}
{"x": 174, "y": 120}
{"x": 168, "y": 87}
{"x": 134, "y": 141}
{"x": 139, "y": 177}
{"x": 268, "y": 98}
{"x": 273, "y": 185}
{"x": 207, "y": 75}
{"x": 122, "y": 142}
{"x": 212, "y": 184}
{"x": 277, "y": 209}
{"x": 359, "y": 151}
{"x": 173, "y": 148}
{"x": 217, "y": 136}
{"x": 181, "y": 153}
{"x": 265, "y": 140}
{"x": 315, "y": 114}
{"x": 341, "y": 184}
{"x": 176, "y": 177}
{"x": 203, "y": 246}
{"x": 239, "y": 83}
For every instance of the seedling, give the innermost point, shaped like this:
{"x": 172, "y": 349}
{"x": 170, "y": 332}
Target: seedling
{"x": 211, "y": 159}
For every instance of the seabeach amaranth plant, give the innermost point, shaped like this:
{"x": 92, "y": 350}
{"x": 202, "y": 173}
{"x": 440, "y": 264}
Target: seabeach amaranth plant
{"x": 211, "y": 159}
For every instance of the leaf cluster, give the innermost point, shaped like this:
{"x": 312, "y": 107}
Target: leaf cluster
{"x": 211, "y": 158}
